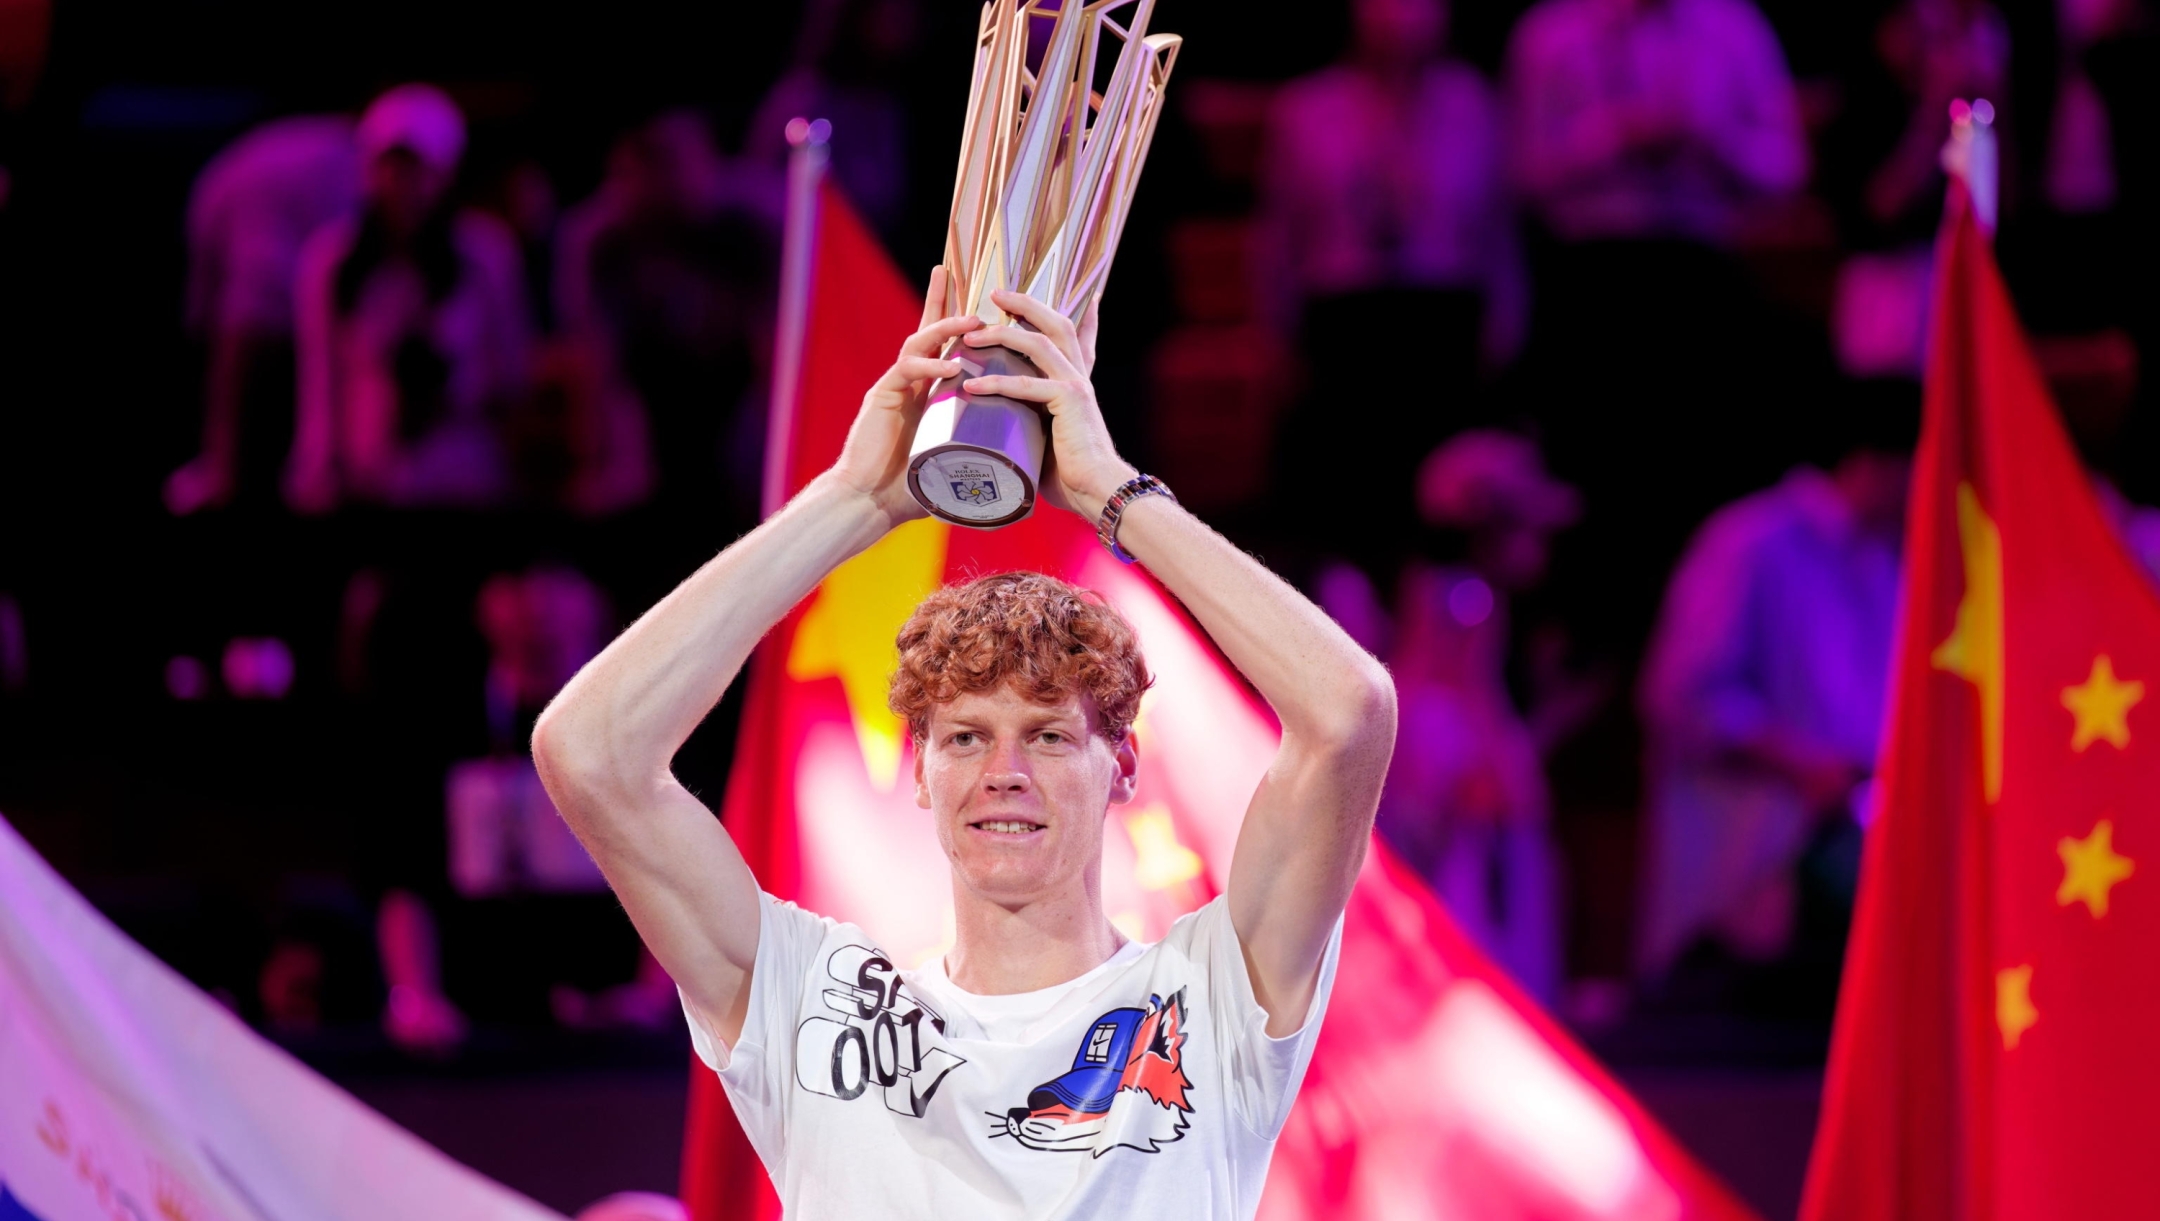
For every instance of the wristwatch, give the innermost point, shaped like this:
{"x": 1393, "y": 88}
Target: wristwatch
{"x": 1113, "y": 510}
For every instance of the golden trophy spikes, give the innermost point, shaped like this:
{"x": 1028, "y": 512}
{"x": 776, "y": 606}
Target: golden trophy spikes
{"x": 1047, "y": 171}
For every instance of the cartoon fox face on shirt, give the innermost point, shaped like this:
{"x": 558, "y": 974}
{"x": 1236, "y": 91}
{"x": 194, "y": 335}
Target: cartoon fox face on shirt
{"x": 1127, "y": 1087}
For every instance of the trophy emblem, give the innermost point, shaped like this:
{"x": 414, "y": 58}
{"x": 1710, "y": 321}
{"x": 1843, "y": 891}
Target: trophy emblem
{"x": 1048, "y": 164}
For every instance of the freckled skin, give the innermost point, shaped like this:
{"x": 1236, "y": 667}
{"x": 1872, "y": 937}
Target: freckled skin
{"x": 999, "y": 756}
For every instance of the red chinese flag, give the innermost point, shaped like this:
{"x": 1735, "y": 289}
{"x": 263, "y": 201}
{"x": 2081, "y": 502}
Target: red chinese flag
{"x": 1436, "y": 1090}
{"x": 1994, "y": 1054}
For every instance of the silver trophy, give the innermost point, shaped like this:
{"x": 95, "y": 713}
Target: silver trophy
{"x": 1048, "y": 165}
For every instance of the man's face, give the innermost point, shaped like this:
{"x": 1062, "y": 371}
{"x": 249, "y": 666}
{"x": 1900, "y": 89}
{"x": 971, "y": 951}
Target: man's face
{"x": 1019, "y": 790}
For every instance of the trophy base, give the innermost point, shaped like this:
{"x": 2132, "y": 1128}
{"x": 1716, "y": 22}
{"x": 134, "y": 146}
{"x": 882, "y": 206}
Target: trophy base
{"x": 976, "y": 458}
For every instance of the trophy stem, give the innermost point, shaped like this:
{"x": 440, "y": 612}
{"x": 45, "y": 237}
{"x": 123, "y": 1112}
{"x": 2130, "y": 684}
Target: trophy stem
{"x": 976, "y": 458}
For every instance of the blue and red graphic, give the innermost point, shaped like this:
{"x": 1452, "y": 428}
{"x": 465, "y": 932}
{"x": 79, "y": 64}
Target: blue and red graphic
{"x": 1126, "y": 1087}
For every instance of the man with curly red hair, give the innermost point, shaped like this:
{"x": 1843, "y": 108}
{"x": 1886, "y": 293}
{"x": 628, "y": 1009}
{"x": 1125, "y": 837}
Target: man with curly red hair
{"x": 962, "y": 1089}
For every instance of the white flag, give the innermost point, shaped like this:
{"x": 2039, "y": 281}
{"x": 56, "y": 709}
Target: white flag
{"x": 128, "y": 1095}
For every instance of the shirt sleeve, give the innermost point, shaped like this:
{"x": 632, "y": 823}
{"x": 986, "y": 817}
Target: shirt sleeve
{"x": 756, "y": 1070}
{"x": 1261, "y": 1074}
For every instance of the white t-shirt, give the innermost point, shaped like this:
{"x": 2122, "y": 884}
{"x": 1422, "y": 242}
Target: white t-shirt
{"x": 1146, "y": 1087}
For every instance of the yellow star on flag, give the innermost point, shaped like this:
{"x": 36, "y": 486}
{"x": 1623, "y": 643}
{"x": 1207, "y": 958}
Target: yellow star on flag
{"x": 2014, "y": 1012}
{"x": 1974, "y": 651}
{"x": 2102, "y": 706}
{"x": 850, "y": 633}
{"x": 2091, "y": 867}
{"x": 1159, "y": 860}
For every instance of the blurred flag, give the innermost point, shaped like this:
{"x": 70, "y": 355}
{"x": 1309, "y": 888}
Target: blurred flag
{"x": 1993, "y": 1056}
{"x": 126, "y": 1093}
{"x": 1436, "y": 1090}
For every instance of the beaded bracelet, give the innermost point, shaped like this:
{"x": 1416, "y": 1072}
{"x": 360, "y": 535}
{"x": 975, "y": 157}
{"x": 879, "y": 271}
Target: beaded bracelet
{"x": 1114, "y": 509}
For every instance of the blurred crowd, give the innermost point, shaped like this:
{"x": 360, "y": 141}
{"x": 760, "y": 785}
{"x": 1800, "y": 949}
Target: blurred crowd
{"x": 1576, "y": 375}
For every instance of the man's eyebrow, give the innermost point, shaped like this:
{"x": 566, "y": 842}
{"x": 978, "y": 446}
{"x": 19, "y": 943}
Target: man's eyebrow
{"x": 1060, "y": 717}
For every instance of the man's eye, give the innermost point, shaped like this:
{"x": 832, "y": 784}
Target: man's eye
{"x": 1053, "y": 737}
{"x": 963, "y": 739}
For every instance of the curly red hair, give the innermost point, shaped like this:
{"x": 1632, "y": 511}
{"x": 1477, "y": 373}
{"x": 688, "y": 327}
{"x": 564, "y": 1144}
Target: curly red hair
{"x": 1043, "y": 637}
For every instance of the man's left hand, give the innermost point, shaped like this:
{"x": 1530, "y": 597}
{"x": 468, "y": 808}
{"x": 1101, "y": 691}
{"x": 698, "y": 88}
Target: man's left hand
{"x": 1083, "y": 466}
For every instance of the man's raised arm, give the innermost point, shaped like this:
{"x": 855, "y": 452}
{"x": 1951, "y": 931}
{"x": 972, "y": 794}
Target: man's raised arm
{"x": 605, "y": 745}
{"x": 1305, "y": 832}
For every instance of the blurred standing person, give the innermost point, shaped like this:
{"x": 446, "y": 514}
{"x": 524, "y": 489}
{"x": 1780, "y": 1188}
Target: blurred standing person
{"x": 1466, "y": 803}
{"x": 664, "y": 286}
{"x": 1645, "y": 134}
{"x": 252, "y": 209}
{"x": 413, "y": 330}
{"x": 1386, "y": 230}
{"x": 851, "y": 62}
{"x": 1762, "y": 699}
{"x": 1936, "y": 51}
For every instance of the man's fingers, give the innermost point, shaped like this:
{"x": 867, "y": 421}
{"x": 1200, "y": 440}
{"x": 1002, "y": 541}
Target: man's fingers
{"x": 1027, "y": 389}
{"x": 933, "y": 302}
{"x": 1056, "y": 325}
{"x": 935, "y": 335}
{"x": 1033, "y": 345}
{"x": 911, "y": 369}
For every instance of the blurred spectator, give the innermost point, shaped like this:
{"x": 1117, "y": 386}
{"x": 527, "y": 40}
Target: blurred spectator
{"x": 1466, "y": 803}
{"x": 418, "y": 1014}
{"x": 252, "y": 209}
{"x": 851, "y": 60}
{"x": 664, "y": 287}
{"x": 1386, "y": 231}
{"x": 1762, "y": 698}
{"x": 1646, "y": 136}
{"x": 1937, "y": 51}
{"x": 526, "y": 927}
{"x": 505, "y": 837}
{"x": 1651, "y": 118}
{"x": 2080, "y": 171}
{"x": 2123, "y": 64}
{"x": 1384, "y": 172}
{"x": 2138, "y": 526}
{"x": 413, "y": 332}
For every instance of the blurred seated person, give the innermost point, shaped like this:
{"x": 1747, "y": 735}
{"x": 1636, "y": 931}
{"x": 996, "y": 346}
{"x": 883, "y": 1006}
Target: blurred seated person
{"x": 514, "y": 867}
{"x": 1386, "y": 230}
{"x": 853, "y": 61}
{"x": 1762, "y": 700}
{"x": 251, "y": 210}
{"x": 413, "y": 331}
{"x": 1466, "y": 803}
{"x": 664, "y": 284}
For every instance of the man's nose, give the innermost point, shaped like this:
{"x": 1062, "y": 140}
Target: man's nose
{"x": 1007, "y": 782}
{"x": 1007, "y": 773}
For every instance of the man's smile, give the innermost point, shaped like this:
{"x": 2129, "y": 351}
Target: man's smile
{"x": 1007, "y": 826}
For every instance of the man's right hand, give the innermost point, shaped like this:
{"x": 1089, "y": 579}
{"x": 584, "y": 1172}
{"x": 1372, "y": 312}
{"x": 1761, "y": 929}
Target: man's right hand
{"x": 874, "y": 461}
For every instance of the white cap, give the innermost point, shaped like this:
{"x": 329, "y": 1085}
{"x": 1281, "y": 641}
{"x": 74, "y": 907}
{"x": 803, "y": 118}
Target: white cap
{"x": 418, "y": 118}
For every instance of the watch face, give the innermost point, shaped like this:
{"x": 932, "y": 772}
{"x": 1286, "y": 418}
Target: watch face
{"x": 971, "y": 486}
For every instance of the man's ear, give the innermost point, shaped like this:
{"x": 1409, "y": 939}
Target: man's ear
{"x": 1128, "y": 772}
{"x": 922, "y": 790}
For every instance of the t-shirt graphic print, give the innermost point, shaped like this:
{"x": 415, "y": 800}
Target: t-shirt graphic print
{"x": 871, "y": 1034}
{"x": 1127, "y": 1086}
{"x": 1147, "y": 1082}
